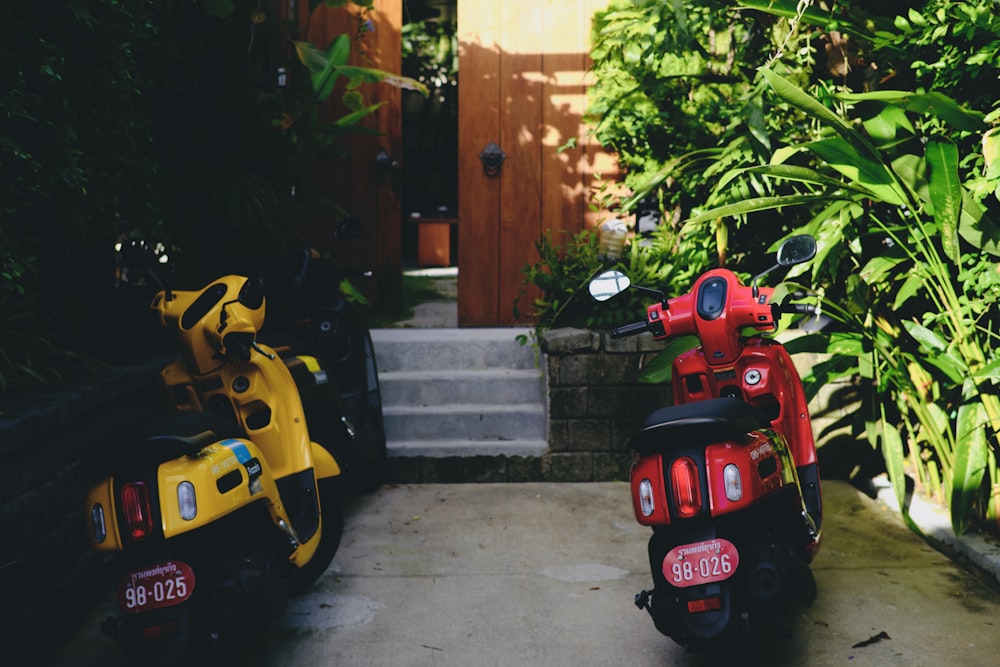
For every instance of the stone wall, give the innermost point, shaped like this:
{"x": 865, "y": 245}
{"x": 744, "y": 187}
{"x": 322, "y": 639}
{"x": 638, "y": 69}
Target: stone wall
{"x": 596, "y": 401}
{"x": 49, "y": 577}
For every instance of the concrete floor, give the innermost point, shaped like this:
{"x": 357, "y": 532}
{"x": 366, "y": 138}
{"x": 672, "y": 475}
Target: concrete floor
{"x": 544, "y": 574}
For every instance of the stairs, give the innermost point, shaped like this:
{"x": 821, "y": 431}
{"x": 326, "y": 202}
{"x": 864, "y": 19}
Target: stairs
{"x": 460, "y": 393}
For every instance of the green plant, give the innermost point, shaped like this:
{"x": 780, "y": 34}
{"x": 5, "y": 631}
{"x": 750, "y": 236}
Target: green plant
{"x": 918, "y": 257}
{"x": 675, "y": 90}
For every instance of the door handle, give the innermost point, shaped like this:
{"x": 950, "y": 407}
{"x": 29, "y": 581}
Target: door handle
{"x": 492, "y": 158}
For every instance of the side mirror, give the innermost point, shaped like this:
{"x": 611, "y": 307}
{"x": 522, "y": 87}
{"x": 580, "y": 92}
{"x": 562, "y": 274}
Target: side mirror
{"x": 796, "y": 249}
{"x": 608, "y": 284}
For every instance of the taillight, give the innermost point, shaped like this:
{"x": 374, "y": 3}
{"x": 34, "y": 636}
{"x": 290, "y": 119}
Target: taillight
{"x": 685, "y": 487}
{"x": 708, "y": 604}
{"x": 137, "y": 511}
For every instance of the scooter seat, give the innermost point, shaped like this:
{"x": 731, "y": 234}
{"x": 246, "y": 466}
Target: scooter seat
{"x": 715, "y": 419}
{"x": 166, "y": 438}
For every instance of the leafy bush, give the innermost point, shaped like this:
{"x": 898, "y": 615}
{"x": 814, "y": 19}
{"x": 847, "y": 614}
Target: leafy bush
{"x": 863, "y": 129}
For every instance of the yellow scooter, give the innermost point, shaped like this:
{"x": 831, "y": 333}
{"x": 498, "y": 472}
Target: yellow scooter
{"x": 229, "y": 504}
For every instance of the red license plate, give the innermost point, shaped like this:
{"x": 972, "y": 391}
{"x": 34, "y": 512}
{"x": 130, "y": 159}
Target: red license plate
{"x": 162, "y": 585}
{"x": 700, "y": 563}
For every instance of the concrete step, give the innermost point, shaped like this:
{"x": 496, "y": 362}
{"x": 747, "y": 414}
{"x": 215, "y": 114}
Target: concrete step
{"x": 474, "y": 422}
{"x": 442, "y": 449}
{"x": 454, "y": 393}
{"x": 457, "y": 349}
{"x": 495, "y": 385}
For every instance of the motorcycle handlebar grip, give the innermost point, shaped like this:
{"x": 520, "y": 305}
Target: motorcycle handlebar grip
{"x": 628, "y": 329}
{"x": 800, "y": 308}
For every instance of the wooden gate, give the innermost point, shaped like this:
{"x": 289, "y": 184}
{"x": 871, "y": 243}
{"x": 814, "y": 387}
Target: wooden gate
{"x": 365, "y": 185}
{"x": 523, "y": 68}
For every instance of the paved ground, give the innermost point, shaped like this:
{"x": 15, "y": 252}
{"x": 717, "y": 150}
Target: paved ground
{"x": 539, "y": 574}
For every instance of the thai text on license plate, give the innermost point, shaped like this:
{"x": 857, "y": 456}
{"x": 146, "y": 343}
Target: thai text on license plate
{"x": 700, "y": 563}
{"x": 162, "y": 585}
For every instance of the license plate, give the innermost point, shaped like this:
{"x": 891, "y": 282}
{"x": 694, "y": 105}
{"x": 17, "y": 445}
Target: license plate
{"x": 162, "y": 585}
{"x": 700, "y": 563}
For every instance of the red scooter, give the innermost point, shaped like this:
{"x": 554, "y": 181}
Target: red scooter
{"x": 727, "y": 477}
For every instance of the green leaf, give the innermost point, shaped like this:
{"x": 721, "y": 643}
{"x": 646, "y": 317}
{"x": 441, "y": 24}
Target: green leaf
{"x": 945, "y": 192}
{"x": 310, "y": 56}
{"x": 990, "y": 371}
{"x": 758, "y": 204}
{"x": 927, "y": 338}
{"x": 885, "y": 126}
{"x": 360, "y": 75}
{"x": 911, "y": 286}
{"x": 842, "y": 343}
{"x": 659, "y": 370}
{"x": 871, "y": 174}
{"x": 935, "y": 104}
{"x": 971, "y": 452}
{"x": 812, "y": 107}
{"x": 950, "y": 364}
{"x": 892, "y": 454}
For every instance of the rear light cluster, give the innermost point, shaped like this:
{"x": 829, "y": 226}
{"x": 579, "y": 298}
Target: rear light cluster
{"x": 685, "y": 487}
{"x": 137, "y": 510}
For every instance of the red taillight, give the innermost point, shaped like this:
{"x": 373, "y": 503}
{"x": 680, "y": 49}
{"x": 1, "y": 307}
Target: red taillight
{"x": 685, "y": 487}
{"x": 160, "y": 631}
{"x": 708, "y": 604}
{"x": 135, "y": 507}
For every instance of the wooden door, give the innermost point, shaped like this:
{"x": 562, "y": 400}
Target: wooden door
{"x": 352, "y": 176}
{"x": 523, "y": 68}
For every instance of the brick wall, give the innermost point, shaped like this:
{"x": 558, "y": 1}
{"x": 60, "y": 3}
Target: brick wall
{"x": 596, "y": 401}
{"x": 49, "y": 578}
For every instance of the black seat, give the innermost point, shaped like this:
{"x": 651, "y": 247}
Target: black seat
{"x": 163, "y": 439}
{"x": 697, "y": 423}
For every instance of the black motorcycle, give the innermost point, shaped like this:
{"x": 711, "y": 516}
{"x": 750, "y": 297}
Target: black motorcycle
{"x": 306, "y": 303}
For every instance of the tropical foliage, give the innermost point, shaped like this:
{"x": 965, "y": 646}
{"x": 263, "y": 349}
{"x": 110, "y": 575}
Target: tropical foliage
{"x": 876, "y": 132}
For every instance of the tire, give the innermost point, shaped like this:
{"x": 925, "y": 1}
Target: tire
{"x": 332, "y": 527}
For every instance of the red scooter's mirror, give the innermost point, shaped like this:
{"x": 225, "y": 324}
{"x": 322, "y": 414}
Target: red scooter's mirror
{"x": 608, "y": 284}
{"x": 796, "y": 250}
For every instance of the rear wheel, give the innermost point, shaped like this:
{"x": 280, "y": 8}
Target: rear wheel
{"x": 332, "y": 529}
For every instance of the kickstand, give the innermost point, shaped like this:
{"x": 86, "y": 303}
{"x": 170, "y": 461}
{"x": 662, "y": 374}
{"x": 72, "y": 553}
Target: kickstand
{"x": 642, "y": 600}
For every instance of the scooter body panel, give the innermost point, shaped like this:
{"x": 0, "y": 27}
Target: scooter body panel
{"x": 256, "y": 395}
{"x": 764, "y": 376}
{"x": 224, "y": 476}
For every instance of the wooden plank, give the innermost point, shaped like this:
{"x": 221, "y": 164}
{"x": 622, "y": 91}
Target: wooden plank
{"x": 522, "y": 91}
{"x": 565, "y": 71}
{"x": 478, "y": 125}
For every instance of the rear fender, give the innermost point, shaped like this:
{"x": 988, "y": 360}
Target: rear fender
{"x": 324, "y": 463}
{"x": 226, "y": 475}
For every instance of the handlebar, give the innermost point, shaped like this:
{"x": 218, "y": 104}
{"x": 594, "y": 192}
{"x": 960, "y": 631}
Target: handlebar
{"x": 628, "y": 329}
{"x": 799, "y": 308}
